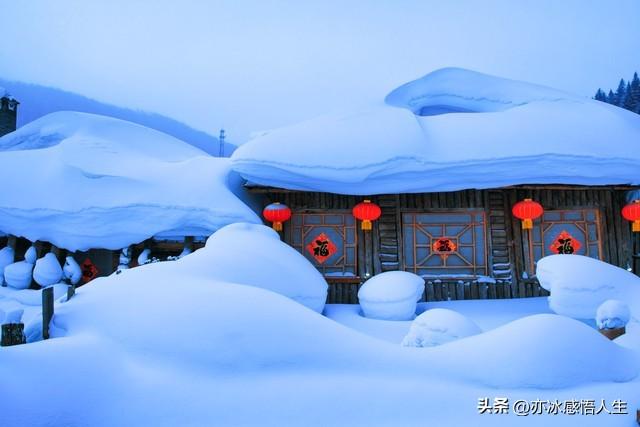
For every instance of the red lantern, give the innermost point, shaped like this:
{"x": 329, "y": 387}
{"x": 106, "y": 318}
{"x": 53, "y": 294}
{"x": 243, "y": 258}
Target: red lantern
{"x": 366, "y": 212}
{"x": 277, "y": 214}
{"x": 631, "y": 212}
{"x": 527, "y": 210}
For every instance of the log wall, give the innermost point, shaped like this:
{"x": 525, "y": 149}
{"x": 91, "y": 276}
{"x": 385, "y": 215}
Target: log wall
{"x": 381, "y": 250}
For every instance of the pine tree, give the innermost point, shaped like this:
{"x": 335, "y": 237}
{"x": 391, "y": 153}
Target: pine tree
{"x": 633, "y": 96}
{"x": 600, "y": 96}
{"x": 611, "y": 97}
{"x": 621, "y": 93}
{"x": 628, "y": 103}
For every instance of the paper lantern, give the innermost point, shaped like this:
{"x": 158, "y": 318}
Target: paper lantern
{"x": 366, "y": 212}
{"x": 527, "y": 210}
{"x": 631, "y": 212}
{"x": 277, "y": 214}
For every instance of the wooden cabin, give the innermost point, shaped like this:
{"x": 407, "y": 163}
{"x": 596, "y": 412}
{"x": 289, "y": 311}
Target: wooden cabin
{"x": 466, "y": 244}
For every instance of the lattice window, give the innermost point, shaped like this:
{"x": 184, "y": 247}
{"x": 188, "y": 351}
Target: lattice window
{"x": 445, "y": 243}
{"x": 567, "y": 232}
{"x": 327, "y": 240}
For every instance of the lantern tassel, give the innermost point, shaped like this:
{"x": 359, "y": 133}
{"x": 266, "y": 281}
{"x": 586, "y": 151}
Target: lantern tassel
{"x": 527, "y": 224}
{"x": 366, "y": 225}
{"x": 635, "y": 227}
{"x": 277, "y": 225}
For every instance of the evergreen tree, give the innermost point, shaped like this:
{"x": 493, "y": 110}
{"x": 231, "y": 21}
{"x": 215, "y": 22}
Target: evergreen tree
{"x": 611, "y": 97}
{"x": 600, "y": 96}
{"x": 621, "y": 93}
{"x": 629, "y": 103}
{"x": 633, "y": 96}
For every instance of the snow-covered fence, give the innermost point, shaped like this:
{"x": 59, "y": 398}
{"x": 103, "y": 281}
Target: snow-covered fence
{"x": 345, "y": 290}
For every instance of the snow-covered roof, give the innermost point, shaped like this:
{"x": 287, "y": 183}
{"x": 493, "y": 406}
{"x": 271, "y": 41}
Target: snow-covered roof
{"x": 449, "y": 130}
{"x": 85, "y": 181}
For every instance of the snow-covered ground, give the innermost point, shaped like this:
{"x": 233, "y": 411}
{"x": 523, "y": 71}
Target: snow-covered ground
{"x": 449, "y": 130}
{"x": 84, "y": 181}
{"x": 184, "y": 343}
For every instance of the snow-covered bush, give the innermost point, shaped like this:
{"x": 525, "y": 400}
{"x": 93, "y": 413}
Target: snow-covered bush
{"x": 7, "y": 255}
{"x": 612, "y": 314}
{"x": 72, "y": 271}
{"x": 252, "y": 254}
{"x": 18, "y": 275}
{"x": 438, "y": 326}
{"x": 391, "y": 295}
{"x": 579, "y": 284}
{"x": 47, "y": 270}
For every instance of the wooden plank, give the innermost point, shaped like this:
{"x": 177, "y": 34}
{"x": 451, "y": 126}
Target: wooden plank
{"x": 47, "y": 311}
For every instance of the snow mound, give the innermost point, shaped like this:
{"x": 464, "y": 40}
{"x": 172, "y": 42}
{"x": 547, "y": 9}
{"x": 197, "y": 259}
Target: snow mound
{"x": 18, "y": 275}
{"x": 449, "y": 130}
{"x": 7, "y": 256}
{"x": 612, "y": 314}
{"x": 579, "y": 284}
{"x": 71, "y": 270}
{"x": 47, "y": 270}
{"x": 541, "y": 351}
{"x": 84, "y": 181}
{"x": 438, "y": 326}
{"x": 391, "y": 295}
{"x": 253, "y": 255}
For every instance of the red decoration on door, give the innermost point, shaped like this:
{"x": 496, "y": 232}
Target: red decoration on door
{"x": 89, "y": 271}
{"x": 444, "y": 246}
{"x": 321, "y": 248}
{"x": 565, "y": 243}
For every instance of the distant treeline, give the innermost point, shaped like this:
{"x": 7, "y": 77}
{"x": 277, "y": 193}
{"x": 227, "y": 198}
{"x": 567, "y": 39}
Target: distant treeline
{"x": 626, "y": 96}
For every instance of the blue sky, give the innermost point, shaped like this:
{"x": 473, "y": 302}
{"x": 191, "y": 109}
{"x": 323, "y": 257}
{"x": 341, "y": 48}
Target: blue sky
{"x": 254, "y": 65}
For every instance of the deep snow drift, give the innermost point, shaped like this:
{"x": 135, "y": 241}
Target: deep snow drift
{"x": 254, "y": 255}
{"x": 83, "y": 181}
{"x": 170, "y": 343}
{"x": 449, "y": 130}
{"x": 579, "y": 284}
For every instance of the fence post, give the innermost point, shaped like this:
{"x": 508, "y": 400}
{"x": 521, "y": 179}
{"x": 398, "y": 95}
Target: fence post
{"x": 71, "y": 291}
{"x": 47, "y": 311}
{"x": 12, "y": 334}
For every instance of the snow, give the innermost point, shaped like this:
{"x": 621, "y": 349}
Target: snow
{"x": 47, "y": 270}
{"x": 438, "y": 326}
{"x": 18, "y": 275}
{"x": 7, "y": 256}
{"x": 84, "y": 181}
{"x": 612, "y": 314}
{"x": 449, "y": 130}
{"x": 72, "y": 271}
{"x": 391, "y": 295}
{"x": 174, "y": 343}
{"x": 254, "y": 255}
{"x": 579, "y": 284}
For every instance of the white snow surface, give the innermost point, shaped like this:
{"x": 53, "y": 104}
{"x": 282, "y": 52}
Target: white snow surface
{"x": 438, "y": 326}
{"x": 7, "y": 256}
{"x": 391, "y": 295}
{"x": 612, "y": 314}
{"x": 84, "y": 181}
{"x": 449, "y": 130}
{"x": 184, "y": 347}
{"x": 47, "y": 270}
{"x": 579, "y": 284}
{"x": 253, "y": 255}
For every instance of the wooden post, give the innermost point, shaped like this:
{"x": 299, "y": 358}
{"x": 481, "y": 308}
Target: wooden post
{"x": 47, "y": 311}
{"x": 71, "y": 291}
{"x": 12, "y": 334}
